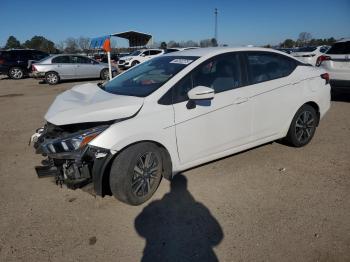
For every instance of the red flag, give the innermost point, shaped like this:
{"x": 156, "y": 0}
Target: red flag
{"x": 107, "y": 45}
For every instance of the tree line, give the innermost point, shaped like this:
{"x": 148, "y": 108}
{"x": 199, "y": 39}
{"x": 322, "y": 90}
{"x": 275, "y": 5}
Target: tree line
{"x": 82, "y": 44}
{"x": 70, "y": 45}
{"x": 305, "y": 39}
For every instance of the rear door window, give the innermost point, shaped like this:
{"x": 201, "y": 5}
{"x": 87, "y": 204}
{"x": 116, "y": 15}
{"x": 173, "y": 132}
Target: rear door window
{"x": 264, "y": 66}
{"x": 83, "y": 60}
{"x": 340, "y": 48}
{"x": 61, "y": 60}
{"x": 9, "y": 55}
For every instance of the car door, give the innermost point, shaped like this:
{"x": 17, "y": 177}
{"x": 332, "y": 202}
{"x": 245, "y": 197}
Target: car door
{"x": 274, "y": 91}
{"x": 208, "y": 127}
{"x": 64, "y": 66}
{"x": 144, "y": 56}
{"x": 86, "y": 68}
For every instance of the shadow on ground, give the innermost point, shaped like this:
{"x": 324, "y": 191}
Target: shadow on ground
{"x": 178, "y": 228}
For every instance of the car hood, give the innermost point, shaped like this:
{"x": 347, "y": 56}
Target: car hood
{"x": 89, "y": 103}
{"x": 127, "y": 57}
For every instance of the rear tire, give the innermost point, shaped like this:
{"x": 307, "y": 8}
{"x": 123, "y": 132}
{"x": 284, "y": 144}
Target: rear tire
{"x": 136, "y": 173}
{"x": 52, "y": 78}
{"x": 16, "y": 73}
{"x": 303, "y": 127}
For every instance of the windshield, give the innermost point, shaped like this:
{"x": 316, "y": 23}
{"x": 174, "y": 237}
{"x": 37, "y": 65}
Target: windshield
{"x": 147, "y": 77}
{"x": 135, "y": 53}
{"x": 306, "y": 49}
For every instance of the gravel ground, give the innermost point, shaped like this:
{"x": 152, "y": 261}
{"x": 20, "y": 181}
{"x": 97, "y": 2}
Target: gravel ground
{"x": 271, "y": 203}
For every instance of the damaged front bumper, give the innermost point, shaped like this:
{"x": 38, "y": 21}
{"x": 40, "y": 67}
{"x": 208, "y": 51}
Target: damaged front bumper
{"x": 73, "y": 167}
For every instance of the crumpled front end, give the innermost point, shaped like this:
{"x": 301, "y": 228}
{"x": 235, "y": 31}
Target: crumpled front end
{"x": 68, "y": 157}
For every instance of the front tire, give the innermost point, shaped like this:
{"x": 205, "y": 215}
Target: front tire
{"x": 16, "y": 73}
{"x": 104, "y": 74}
{"x": 52, "y": 78}
{"x": 303, "y": 127}
{"x": 134, "y": 63}
{"x": 136, "y": 173}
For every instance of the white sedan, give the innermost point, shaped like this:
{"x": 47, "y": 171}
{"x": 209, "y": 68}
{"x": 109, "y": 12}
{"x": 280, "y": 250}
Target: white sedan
{"x": 175, "y": 112}
{"x": 309, "y": 54}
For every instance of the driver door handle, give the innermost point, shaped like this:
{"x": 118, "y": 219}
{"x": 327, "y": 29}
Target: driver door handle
{"x": 241, "y": 100}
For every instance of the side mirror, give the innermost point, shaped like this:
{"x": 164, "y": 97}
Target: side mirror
{"x": 201, "y": 93}
{"x": 143, "y": 55}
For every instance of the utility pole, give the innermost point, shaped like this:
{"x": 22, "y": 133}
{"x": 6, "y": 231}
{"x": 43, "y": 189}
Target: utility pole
{"x": 216, "y": 24}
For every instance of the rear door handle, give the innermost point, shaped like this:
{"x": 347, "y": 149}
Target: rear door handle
{"x": 241, "y": 100}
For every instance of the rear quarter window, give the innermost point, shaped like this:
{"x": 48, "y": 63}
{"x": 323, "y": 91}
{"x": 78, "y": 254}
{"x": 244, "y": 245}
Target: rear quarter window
{"x": 265, "y": 66}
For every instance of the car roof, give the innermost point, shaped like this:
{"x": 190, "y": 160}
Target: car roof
{"x": 211, "y": 51}
{"x": 343, "y": 40}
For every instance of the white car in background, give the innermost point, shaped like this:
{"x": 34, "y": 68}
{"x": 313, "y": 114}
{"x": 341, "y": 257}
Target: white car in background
{"x": 336, "y": 61}
{"x": 138, "y": 57}
{"x": 178, "y": 111}
{"x": 309, "y": 54}
{"x": 176, "y": 49}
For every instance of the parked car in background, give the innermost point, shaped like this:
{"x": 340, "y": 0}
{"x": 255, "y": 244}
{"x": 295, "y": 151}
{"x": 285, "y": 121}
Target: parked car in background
{"x": 138, "y": 57}
{"x": 285, "y": 50}
{"x": 177, "y": 111}
{"x": 62, "y": 67}
{"x": 336, "y": 61}
{"x": 16, "y": 63}
{"x": 309, "y": 54}
{"x": 176, "y": 49}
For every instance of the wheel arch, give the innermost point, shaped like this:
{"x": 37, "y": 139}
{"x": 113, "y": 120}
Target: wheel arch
{"x": 315, "y": 106}
{"x": 101, "y": 173}
{"x": 53, "y": 71}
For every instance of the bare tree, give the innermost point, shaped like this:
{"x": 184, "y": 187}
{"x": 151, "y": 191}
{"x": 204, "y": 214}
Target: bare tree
{"x": 205, "y": 43}
{"x": 84, "y": 43}
{"x": 71, "y": 45}
{"x": 304, "y": 38}
{"x": 60, "y": 45}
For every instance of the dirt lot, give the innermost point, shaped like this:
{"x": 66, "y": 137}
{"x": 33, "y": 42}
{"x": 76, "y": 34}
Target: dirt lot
{"x": 272, "y": 203}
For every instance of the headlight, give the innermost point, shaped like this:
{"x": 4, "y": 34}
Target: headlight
{"x": 75, "y": 141}
{"x": 128, "y": 59}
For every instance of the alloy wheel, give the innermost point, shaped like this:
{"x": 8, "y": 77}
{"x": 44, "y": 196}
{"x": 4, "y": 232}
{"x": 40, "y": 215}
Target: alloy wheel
{"x": 304, "y": 126}
{"x": 16, "y": 73}
{"x": 146, "y": 172}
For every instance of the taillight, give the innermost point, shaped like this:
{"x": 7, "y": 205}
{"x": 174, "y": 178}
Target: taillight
{"x": 325, "y": 76}
{"x": 33, "y": 68}
{"x": 322, "y": 58}
{"x": 2, "y": 61}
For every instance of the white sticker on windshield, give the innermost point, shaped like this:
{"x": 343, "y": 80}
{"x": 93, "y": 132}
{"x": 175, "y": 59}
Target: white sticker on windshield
{"x": 181, "y": 61}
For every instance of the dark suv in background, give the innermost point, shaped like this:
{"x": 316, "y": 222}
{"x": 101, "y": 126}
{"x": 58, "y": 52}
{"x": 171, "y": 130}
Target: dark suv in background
{"x": 16, "y": 63}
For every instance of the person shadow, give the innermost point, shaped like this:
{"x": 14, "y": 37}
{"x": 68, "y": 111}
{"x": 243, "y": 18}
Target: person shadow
{"x": 178, "y": 228}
